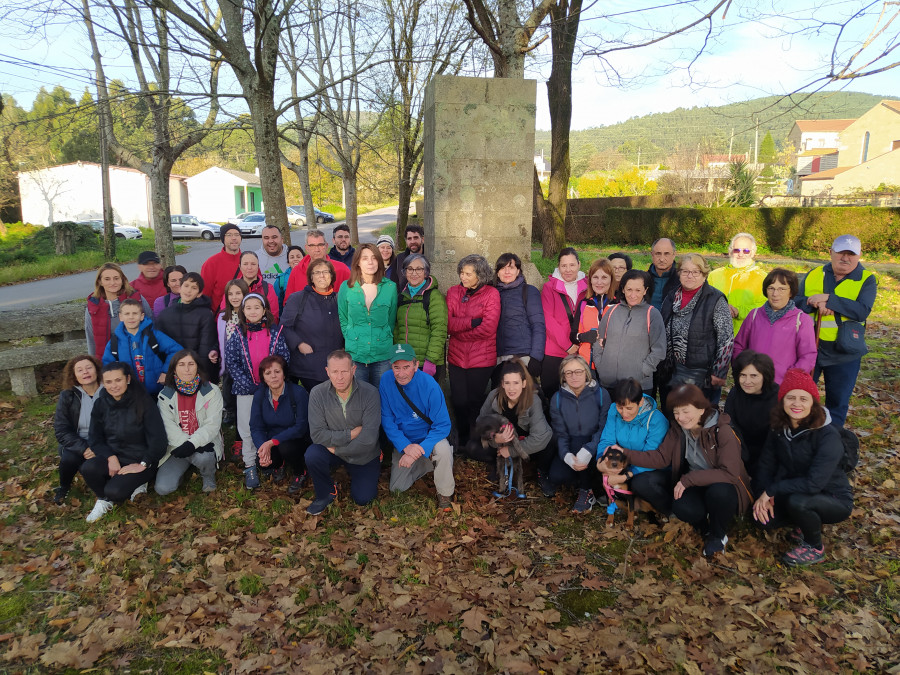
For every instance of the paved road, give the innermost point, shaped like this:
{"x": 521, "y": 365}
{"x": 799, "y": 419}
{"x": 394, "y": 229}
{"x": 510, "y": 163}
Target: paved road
{"x": 77, "y": 286}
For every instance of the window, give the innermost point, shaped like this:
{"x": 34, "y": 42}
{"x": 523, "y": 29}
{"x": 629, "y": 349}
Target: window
{"x": 243, "y": 202}
{"x": 865, "y": 148}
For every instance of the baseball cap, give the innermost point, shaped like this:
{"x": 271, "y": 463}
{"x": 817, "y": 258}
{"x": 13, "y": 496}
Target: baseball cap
{"x": 402, "y": 352}
{"x": 847, "y": 242}
{"x": 146, "y": 257}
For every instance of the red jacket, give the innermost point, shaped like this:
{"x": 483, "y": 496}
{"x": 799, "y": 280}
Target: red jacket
{"x": 297, "y": 279}
{"x": 553, "y": 295}
{"x": 263, "y": 288}
{"x": 472, "y": 347}
{"x": 150, "y": 289}
{"x": 98, "y": 311}
{"x": 217, "y": 271}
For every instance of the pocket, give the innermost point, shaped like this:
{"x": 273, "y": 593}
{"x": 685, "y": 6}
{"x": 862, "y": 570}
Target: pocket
{"x": 851, "y": 338}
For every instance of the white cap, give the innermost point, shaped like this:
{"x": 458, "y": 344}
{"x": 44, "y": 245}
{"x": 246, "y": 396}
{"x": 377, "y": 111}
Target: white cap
{"x": 847, "y": 242}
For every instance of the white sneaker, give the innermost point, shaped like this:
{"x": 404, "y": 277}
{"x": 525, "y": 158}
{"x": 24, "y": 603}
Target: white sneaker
{"x": 101, "y": 508}
{"x": 139, "y": 490}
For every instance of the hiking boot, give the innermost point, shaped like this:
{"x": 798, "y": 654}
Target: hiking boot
{"x": 319, "y": 505}
{"x": 714, "y": 545}
{"x": 209, "y": 483}
{"x": 60, "y": 493}
{"x": 804, "y": 554}
{"x": 278, "y": 474}
{"x": 585, "y": 501}
{"x": 445, "y": 503}
{"x": 296, "y": 484}
{"x": 251, "y": 478}
{"x": 101, "y": 508}
{"x": 546, "y": 485}
{"x": 237, "y": 451}
{"x": 139, "y": 490}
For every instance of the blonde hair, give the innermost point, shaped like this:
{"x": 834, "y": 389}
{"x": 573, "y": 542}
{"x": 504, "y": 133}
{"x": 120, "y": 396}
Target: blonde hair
{"x": 99, "y": 293}
{"x": 695, "y": 259}
{"x": 579, "y": 360}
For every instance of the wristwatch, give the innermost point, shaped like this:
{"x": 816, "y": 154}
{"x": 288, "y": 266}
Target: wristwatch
{"x": 144, "y": 464}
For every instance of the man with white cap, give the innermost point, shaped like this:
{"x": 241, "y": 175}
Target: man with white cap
{"x": 841, "y": 294}
{"x": 415, "y": 419}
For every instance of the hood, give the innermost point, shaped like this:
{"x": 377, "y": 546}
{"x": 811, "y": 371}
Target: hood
{"x": 591, "y": 388}
{"x": 648, "y": 405}
{"x": 123, "y": 332}
{"x": 261, "y": 252}
{"x": 201, "y": 301}
{"x": 712, "y": 421}
{"x": 430, "y": 284}
{"x": 557, "y": 284}
{"x": 790, "y": 434}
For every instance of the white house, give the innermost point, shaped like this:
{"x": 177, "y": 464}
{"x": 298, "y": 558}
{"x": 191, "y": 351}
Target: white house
{"x": 809, "y": 135}
{"x": 74, "y": 192}
{"x": 218, "y": 194}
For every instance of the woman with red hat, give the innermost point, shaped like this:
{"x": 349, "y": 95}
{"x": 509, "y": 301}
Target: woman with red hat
{"x": 800, "y": 480}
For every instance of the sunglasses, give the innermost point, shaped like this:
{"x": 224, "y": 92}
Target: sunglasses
{"x": 745, "y": 251}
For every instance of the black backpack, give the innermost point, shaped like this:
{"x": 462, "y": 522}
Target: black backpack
{"x": 151, "y": 341}
{"x": 851, "y": 449}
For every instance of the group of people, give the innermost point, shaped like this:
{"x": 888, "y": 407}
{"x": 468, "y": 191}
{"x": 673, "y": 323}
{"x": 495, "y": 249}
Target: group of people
{"x": 325, "y": 364}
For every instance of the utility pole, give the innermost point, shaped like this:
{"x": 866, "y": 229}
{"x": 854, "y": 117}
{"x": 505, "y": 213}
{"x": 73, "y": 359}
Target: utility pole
{"x": 109, "y": 234}
{"x": 730, "y": 143}
{"x": 756, "y": 144}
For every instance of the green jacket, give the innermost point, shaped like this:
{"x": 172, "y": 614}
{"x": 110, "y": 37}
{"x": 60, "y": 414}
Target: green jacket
{"x": 368, "y": 332}
{"x": 424, "y": 332}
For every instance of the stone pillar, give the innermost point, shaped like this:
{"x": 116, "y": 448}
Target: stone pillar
{"x": 479, "y": 166}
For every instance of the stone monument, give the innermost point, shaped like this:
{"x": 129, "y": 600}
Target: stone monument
{"x": 479, "y": 171}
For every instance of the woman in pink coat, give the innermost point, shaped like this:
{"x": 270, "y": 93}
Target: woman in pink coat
{"x": 473, "y": 314}
{"x": 561, "y": 299}
{"x": 778, "y": 328}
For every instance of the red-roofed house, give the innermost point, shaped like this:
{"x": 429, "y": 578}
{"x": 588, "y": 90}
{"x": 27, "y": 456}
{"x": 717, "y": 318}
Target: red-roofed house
{"x": 868, "y": 154}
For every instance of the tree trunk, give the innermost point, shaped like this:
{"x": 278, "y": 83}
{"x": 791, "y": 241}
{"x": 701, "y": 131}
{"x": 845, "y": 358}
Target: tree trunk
{"x": 268, "y": 156}
{"x": 162, "y": 216}
{"x": 542, "y": 213}
{"x": 404, "y": 195}
{"x": 564, "y": 19}
{"x": 351, "y": 204}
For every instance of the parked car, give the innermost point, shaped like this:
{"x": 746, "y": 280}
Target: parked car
{"x": 236, "y": 220}
{"x": 321, "y": 216}
{"x": 185, "y": 225}
{"x": 296, "y": 216}
{"x": 122, "y": 231}
{"x": 252, "y": 225}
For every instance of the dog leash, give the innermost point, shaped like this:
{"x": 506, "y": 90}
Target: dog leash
{"x": 611, "y": 491}
{"x": 510, "y": 472}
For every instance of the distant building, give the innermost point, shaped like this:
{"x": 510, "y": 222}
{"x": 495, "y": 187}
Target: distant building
{"x": 717, "y": 161}
{"x": 868, "y": 154}
{"x": 218, "y": 194}
{"x": 542, "y": 166}
{"x": 74, "y": 192}
{"x": 807, "y": 135}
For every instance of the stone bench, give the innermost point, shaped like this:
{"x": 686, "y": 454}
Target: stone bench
{"x": 38, "y": 336}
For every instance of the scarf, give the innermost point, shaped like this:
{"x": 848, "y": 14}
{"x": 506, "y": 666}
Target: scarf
{"x": 189, "y": 387}
{"x": 415, "y": 289}
{"x": 775, "y": 315}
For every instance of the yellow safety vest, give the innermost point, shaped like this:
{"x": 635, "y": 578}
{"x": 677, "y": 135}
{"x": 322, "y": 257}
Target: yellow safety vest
{"x": 846, "y": 288}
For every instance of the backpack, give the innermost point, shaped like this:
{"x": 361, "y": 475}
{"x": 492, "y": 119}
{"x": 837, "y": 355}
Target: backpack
{"x": 151, "y": 341}
{"x": 424, "y": 299}
{"x": 850, "y": 441}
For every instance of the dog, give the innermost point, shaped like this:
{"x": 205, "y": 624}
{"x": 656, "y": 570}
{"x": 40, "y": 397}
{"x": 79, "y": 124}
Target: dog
{"x": 617, "y": 464}
{"x": 509, "y": 470}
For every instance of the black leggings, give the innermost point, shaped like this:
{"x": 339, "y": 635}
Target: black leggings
{"x": 550, "y": 376}
{"x": 291, "y": 452}
{"x": 69, "y": 464}
{"x": 115, "y": 489}
{"x": 809, "y": 513}
{"x": 468, "y": 388}
{"x": 654, "y": 487}
{"x": 709, "y": 508}
{"x": 563, "y": 474}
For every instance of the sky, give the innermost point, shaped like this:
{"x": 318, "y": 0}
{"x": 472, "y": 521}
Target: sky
{"x": 750, "y": 54}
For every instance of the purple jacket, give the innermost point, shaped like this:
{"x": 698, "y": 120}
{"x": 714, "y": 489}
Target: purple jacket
{"x": 790, "y": 341}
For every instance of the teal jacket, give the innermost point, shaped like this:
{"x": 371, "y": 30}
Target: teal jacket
{"x": 425, "y": 332}
{"x": 368, "y": 332}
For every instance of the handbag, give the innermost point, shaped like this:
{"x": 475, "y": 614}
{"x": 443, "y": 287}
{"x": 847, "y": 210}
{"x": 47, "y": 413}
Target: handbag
{"x": 851, "y": 337}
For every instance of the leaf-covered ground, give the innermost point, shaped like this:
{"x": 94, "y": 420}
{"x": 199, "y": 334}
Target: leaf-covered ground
{"x": 239, "y": 582}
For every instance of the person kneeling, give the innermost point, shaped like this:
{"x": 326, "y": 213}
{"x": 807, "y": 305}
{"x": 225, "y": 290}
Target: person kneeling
{"x": 801, "y": 481}
{"x": 416, "y": 420}
{"x": 344, "y": 419}
{"x": 127, "y": 437}
{"x": 191, "y": 410}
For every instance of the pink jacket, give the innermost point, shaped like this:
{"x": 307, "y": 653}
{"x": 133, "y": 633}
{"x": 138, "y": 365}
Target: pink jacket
{"x": 790, "y": 341}
{"x": 472, "y": 347}
{"x": 553, "y": 295}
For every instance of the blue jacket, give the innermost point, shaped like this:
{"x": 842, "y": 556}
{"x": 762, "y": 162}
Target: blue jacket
{"x": 578, "y": 420}
{"x": 286, "y": 423}
{"x": 644, "y": 432}
{"x": 522, "y": 330}
{"x": 401, "y": 424}
{"x": 280, "y": 286}
{"x": 130, "y": 347}
{"x": 239, "y": 365}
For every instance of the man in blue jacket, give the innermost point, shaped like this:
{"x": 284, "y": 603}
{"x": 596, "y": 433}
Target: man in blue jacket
{"x": 415, "y": 418}
{"x": 135, "y": 342}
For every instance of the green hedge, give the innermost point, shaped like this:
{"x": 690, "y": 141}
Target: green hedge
{"x": 778, "y": 229}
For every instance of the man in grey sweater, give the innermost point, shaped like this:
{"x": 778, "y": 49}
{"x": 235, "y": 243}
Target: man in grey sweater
{"x": 344, "y": 419}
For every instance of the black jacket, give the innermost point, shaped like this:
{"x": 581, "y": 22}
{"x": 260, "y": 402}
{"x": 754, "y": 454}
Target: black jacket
{"x": 117, "y": 429}
{"x": 65, "y": 421}
{"x": 809, "y": 462}
{"x": 312, "y": 318}
{"x": 750, "y": 415}
{"x": 192, "y": 326}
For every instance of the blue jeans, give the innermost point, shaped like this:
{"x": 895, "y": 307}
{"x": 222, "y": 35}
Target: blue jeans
{"x": 363, "y": 477}
{"x": 372, "y": 372}
{"x": 839, "y": 382}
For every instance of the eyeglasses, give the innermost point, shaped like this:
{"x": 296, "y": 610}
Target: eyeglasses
{"x": 569, "y": 373}
{"x": 690, "y": 273}
{"x": 321, "y": 273}
{"x": 745, "y": 251}
{"x": 322, "y": 245}
{"x": 415, "y": 270}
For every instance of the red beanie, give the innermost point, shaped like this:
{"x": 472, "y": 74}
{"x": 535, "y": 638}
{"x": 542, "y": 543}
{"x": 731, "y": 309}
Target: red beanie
{"x": 795, "y": 378}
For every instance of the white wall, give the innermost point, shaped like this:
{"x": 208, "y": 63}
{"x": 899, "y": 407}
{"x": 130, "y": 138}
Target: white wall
{"x": 211, "y": 194}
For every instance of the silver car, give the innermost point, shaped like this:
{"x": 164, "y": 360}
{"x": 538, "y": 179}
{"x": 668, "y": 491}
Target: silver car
{"x": 252, "y": 225}
{"x": 186, "y": 225}
{"x": 122, "y": 231}
{"x": 236, "y": 220}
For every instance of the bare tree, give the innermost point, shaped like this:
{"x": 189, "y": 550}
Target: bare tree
{"x": 149, "y": 49}
{"x": 508, "y": 37}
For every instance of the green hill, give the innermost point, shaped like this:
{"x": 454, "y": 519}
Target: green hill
{"x": 703, "y": 130}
